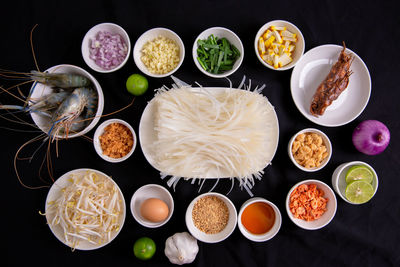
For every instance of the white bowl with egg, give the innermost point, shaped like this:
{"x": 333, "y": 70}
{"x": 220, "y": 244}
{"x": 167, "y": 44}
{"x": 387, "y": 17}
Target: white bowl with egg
{"x": 97, "y": 144}
{"x": 150, "y": 36}
{"x": 299, "y": 44}
{"x": 153, "y": 214}
{"x": 112, "y": 28}
{"x": 214, "y": 237}
{"x": 325, "y": 141}
{"x": 219, "y": 32}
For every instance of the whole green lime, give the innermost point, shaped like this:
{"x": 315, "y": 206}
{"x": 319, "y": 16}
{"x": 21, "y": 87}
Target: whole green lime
{"x": 137, "y": 84}
{"x": 144, "y": 248}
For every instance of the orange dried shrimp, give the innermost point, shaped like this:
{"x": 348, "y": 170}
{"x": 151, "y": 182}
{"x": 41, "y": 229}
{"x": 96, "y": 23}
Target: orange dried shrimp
{"x": 307, "y": 202}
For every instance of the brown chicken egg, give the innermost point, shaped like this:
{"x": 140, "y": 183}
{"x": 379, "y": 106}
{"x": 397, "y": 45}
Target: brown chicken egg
{"x": 154, "y": 210}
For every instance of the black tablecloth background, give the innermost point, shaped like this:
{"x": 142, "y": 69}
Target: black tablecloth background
{"x": 359, "y": 235}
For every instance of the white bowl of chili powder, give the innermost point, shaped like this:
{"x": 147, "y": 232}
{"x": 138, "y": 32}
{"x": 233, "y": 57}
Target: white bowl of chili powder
{"x": 114, "y": 140}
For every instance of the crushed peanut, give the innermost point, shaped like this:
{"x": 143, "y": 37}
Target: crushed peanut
{"x": 116, "y": 141}
{"x": 210, "y": 214}
{"x": 309, "y": 150}
{"x": 160, "y": 55}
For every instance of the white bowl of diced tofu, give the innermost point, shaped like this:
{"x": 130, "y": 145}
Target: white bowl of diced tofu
{"x": 279, "y": 45}
{"x": 159, "y": 52}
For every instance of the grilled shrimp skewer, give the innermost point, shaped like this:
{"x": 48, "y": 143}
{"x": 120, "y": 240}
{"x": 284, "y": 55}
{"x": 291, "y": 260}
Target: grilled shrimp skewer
{"x": 333, "y": 85}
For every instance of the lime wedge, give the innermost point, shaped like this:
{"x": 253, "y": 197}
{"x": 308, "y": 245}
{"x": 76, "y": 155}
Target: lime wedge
{"x": 359, "y": 173}
{"x": 359, "y": 192}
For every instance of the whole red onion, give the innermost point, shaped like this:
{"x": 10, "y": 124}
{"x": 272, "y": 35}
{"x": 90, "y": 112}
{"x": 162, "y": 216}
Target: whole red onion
{"x": 371, "y": 137}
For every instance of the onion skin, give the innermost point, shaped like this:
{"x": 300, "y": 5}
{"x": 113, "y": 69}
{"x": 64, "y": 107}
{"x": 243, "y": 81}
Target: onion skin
{"x": 371, "y": 137}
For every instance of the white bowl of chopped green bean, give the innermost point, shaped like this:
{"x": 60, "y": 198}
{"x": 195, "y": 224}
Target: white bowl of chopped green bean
{"x": 280, "y": 48}
{"x": 218, "y": 52}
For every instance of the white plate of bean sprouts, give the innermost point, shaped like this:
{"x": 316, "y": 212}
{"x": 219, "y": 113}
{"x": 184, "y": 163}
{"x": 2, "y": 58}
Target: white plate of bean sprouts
{"x": 85, "y": 209}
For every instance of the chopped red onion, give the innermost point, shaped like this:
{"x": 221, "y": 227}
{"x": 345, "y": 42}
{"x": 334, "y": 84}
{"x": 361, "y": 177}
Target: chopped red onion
{"x": 108, "y": 50}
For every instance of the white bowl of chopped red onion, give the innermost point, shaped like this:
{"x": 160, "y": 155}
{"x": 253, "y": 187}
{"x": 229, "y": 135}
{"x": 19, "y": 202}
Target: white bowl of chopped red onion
{"x": 106, "y": 47}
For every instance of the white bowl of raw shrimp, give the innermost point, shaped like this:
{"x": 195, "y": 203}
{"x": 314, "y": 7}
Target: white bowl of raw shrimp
{"x": 47, "y": 124}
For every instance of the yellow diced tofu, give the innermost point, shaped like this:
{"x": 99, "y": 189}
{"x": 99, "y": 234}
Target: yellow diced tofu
{"x": 261, "y": 46}
{"x": 281, "y": 49}
{"x": 278, "y": 28}
{"x": 291, "y": 39}
{"x": 267, "y": 34}
{"x": 284, "y": 60}
{"x": 288, "y": 34}
{"x": 269, "y": 41}
{"x": 276, "y": 61}
{"x": 277, "y": 36}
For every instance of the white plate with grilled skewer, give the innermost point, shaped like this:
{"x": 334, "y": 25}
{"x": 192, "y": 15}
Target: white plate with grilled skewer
{"x": 310, "y": 72}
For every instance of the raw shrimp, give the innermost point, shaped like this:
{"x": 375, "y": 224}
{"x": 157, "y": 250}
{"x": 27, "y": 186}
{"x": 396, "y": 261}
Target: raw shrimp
{"x": 59, "y": 80}
{"x": 70, "y": 109}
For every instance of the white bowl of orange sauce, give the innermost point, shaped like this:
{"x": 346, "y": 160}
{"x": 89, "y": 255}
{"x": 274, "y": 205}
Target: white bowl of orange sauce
{"x": 259, "y": 220}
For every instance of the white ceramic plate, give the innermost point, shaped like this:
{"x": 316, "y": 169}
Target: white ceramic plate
{"x": 55, "y": 192}
{"x": 313, "y": 68}
{"x": 147, "y": 134}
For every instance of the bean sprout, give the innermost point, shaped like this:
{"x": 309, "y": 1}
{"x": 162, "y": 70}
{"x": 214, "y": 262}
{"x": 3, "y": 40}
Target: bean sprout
{"x": 89, "y": 209}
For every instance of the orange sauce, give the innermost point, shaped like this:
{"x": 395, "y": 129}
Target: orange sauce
{"x": 258, "y": 218}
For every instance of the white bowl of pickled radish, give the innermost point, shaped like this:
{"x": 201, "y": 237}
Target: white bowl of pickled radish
{"x": 294, "y": 55}
{"x": 106, "y": 47}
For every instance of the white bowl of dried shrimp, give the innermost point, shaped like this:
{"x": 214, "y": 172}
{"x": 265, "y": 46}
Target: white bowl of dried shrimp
{"x": 310, "y": 150}
{"x": 85, "y": 209}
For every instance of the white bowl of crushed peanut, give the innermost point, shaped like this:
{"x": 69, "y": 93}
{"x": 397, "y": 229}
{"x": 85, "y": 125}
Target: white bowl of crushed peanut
{"x": 211, "y": 217}
{"x": 310, "y": 149}
{"x": 114, "y": 140}
{"x": 159, "y": 52}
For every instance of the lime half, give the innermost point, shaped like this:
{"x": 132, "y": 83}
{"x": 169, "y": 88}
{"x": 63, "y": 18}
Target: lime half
{"x": 359, "y": 173}
{"x": 359, "y": 192}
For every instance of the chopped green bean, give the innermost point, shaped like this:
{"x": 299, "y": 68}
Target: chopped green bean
{"x": 216, "y": 55}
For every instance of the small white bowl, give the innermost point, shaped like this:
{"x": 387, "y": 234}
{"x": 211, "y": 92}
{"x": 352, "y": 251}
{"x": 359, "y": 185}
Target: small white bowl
{"x": 39, "y": 90}
{"x": 300, "y": 44}
{"x": 330, "y": 207}
{"x": 146, "y": 192}
{"x": 220, "y": 32}
{"x": 100, "y": 130}
{"x": 212, "y": 238}
{"x": 149, "y": 36}
{"x": 91, "y": 34}
{"x": 339, "y": 179}
{"x": 326, "y": 142}
{"x": 262, "y": 237}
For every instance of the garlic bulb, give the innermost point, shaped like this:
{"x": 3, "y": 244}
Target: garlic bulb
{"x": 181, "y": 248}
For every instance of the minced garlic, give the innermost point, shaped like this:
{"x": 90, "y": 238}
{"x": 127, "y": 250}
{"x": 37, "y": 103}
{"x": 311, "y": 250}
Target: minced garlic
{"x": 160, "y": 55}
